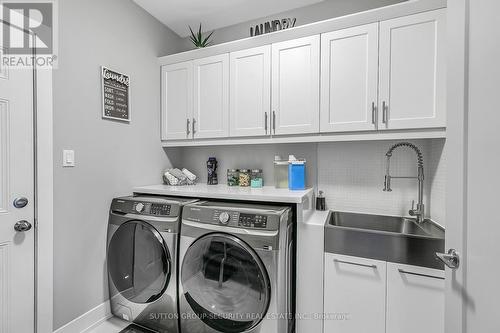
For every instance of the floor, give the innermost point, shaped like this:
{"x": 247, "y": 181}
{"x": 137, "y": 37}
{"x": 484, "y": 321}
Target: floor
{"x": 112, "y": 325}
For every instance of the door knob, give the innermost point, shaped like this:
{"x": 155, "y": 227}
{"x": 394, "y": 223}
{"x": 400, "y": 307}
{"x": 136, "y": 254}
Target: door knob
{"x": 450, "y": 259}
{"x": 22, "y": 226}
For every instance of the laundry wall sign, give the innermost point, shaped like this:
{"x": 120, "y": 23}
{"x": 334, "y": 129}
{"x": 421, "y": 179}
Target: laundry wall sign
{"x": 115, "y": 95}
{"x": 272, "y": 26}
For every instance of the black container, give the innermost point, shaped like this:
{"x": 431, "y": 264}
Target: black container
{"x": 212, "y": 171}
{"x": 320, "y": 201}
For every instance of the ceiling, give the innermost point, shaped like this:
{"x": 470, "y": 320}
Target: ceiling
{"x": 214, "y": 14}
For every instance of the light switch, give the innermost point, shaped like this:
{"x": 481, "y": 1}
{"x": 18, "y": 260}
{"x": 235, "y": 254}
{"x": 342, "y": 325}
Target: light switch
{"x": 68, "y": 158}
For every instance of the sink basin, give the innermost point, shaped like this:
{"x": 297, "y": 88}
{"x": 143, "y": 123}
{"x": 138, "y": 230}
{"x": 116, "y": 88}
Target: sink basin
{"x": 391, "y": 224}
{"x": 389, "y": 238}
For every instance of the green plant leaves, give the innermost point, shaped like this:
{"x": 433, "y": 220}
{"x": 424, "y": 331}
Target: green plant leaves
{"x": 197, "y": 38}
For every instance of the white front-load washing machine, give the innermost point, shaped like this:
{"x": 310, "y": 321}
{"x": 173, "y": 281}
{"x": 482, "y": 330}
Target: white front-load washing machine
{"x": 142, "y": 260}
{"x": 236, "y": 272}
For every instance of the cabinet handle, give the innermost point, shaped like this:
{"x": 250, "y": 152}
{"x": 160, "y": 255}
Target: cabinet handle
{"x": 402, "y": 271}
{"x": 355, "y": 263}
{"x": 193, "y": 128}
{"x": 265, "y": 121}
{"x": 274, "y": 122}
{"x": 384, "y": 112}
{"x": 188, "y": 123}
{"x": 374, "y": 113}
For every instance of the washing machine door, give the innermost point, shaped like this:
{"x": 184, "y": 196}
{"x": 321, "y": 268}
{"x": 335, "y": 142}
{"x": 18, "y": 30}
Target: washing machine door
{"x": 225, "y": 283}
{"x": 139, "y": 262}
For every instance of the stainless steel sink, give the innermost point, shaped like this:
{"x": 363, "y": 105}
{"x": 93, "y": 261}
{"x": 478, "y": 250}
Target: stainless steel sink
{"x": 389, "y": 238}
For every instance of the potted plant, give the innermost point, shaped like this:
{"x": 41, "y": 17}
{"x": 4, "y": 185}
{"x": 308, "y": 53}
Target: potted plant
{"x": 198, "y": 40}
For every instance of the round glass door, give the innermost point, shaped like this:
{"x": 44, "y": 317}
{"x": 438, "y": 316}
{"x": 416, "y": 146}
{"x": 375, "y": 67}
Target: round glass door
{"x": 225, "y": 283}
{"x": 138, "y": 262}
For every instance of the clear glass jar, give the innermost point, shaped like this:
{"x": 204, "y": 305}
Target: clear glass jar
{"x": 233, "y": 177}
{"x": 257, "y": 178}
{"x": 281, "y": 174}
{"x": 244, "y": 178}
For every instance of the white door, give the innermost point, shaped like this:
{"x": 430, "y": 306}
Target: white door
{"x": 354, "y": 294}
{"x": 415, "y": 299}
{"x": 177, "y": 101}
{"x": 295, "y": 86}
{"x": 250, "y": 96}
{"x": 211, "y": 97}
{"x": 413, "y": 71}
{"x": 473, "y": 228}
{"x": 16, "y": 181}
{"x": 349, "y": 79}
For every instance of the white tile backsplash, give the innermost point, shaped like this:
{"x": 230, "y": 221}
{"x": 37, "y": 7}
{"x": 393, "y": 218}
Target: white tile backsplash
{"x": 244, "y": 157}
{"x": 352, "y": 176}
{"x": 350, "y": 173}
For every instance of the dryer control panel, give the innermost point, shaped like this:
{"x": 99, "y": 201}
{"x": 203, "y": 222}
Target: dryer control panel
{"x": 252, "y": 221}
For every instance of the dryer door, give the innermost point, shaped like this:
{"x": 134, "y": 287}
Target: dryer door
{"x": 225, "y": 283}
{"x": 139, "y": 262}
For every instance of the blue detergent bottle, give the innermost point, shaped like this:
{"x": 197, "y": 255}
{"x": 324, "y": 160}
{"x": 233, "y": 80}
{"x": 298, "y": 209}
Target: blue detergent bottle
{"x": 296, "y": 173}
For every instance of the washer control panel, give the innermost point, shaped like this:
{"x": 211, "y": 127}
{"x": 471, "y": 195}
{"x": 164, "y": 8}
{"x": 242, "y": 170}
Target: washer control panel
{"x": 225, "y": 217}
{"x": 252, "y": 221}
{"x": 149, "y": 208}
{"x": 237, "y": 219}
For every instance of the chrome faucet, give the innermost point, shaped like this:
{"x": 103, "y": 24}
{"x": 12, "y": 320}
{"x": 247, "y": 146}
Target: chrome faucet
{"x": 419, "y": 212}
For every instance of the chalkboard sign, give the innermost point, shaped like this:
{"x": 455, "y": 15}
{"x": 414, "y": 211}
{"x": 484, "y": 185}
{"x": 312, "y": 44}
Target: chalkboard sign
{"x": 115, "y": 95}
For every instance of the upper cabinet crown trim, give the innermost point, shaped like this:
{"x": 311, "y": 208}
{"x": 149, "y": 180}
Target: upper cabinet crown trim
{"x": 367, "y": 17}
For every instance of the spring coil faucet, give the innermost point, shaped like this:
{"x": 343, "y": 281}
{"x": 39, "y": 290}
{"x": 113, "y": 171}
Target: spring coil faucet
{"x": 419, "y": 212}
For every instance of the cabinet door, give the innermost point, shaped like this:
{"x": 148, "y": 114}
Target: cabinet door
{"x": 415, "y": 299}
{"x": 211, "y": 97}
{"x": 177, "y": 101}
{"x": 413, "y": 71}
{"x": 355, "y": 291}
{"x": 250, "y": 95}
{"x": 295, "y": 87}
{"x": 349, "y": 79}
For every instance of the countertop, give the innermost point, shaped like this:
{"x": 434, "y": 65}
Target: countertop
{"x": 222, "y": 191}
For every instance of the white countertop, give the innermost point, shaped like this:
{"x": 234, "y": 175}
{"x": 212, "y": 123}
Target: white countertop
{"x": 222, "y": 191}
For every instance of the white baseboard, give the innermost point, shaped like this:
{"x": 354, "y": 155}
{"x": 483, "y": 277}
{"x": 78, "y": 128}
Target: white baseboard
{"x": 88, "y": 320}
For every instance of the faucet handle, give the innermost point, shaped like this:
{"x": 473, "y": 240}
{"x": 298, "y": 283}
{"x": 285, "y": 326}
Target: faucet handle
{"x": 412, "y": 210}
{"x": 387, "y": 184}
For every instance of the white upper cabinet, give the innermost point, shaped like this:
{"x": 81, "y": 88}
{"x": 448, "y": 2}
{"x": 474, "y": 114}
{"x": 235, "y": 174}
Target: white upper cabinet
{"x": 354, "y": 288}
{"x": 384, "y": 75}
{"x": 415, "y": 299}
{"x": 349, "y": 79}
{"x": 413, "y": 71}
{"x": 177, "y": 101}
{"x": 295, "y": 86}
{"x": 250, "y": 92}
{"x": 211, "y": 97}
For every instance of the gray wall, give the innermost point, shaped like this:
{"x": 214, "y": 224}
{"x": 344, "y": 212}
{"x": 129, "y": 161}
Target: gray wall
{"x": 321, "y": 11}
{"x": 111, "y": 157}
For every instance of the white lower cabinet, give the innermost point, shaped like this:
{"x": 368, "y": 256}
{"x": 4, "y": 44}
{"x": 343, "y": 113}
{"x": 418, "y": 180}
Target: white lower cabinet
{"x": 365, "y": 295}
{"x": 415, "y": 299}
{"x": 354, "y": 295}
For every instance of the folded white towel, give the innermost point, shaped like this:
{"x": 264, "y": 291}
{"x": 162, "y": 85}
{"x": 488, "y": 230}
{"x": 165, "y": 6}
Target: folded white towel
{"x": 189, "y": 174}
